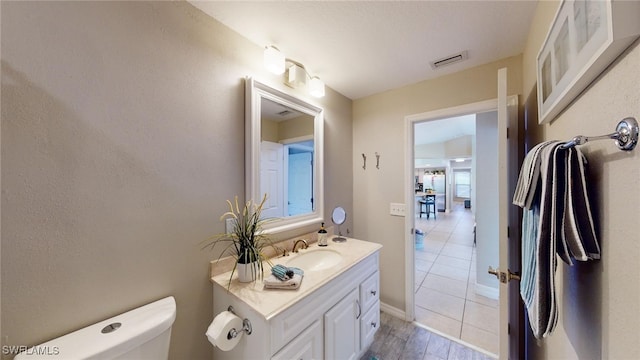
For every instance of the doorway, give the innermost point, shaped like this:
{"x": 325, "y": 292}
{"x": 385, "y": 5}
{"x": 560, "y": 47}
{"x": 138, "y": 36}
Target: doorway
{"x": 299, "y": 177}
{"x": 449, "y": 297}
{"x": 506, "y": 107}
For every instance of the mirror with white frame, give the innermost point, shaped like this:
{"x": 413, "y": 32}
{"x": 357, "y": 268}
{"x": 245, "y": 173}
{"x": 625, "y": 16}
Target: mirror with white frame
{"x": 284, "y": 148}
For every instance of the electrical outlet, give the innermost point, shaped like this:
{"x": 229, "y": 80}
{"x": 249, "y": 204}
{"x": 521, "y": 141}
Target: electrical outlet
{"x": 396, "y": 209}
{"x": 228, "y": 225}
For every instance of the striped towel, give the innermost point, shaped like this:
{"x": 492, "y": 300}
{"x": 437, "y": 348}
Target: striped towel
{"x": 556, "y": 221}
{"x": 544, "y": 303}
{"x": 529, "y": 177}
{"x": 578, "y": 224}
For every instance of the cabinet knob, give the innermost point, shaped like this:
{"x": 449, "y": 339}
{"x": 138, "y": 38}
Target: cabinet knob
{"x": 373, "y": 324}
{"x": 373, "y": 292}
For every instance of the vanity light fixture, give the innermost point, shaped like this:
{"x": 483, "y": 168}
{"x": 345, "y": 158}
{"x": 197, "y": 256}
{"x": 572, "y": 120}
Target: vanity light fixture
{"x": 296, "y": 74}
{"x": 274, "y": 60}
{"x": 316, "y": 87}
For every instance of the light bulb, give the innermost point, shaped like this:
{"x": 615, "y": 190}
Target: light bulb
{"x": 316, "y": 87}
{"x": 274, "y": 60}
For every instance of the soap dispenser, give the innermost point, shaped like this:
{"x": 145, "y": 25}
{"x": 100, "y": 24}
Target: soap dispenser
{"x": 322, "y": 236}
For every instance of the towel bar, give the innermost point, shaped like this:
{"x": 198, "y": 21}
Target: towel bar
{"x": 626, "y": 136}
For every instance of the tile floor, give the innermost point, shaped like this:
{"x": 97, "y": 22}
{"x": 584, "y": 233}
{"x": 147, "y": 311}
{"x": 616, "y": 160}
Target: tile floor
{"x": 446, "y": 300}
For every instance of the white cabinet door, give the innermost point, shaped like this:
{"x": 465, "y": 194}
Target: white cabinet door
{"x": 342, "y": 328}
{"x": 306, "y": 346}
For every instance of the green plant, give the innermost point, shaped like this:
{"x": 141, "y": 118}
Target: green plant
{"x": 247, "y": 241}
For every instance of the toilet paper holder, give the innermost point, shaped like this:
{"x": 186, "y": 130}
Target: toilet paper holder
{"x": 246, "y": 326}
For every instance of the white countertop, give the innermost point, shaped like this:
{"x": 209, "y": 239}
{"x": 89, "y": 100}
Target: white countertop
{"x": 270, "y": 302}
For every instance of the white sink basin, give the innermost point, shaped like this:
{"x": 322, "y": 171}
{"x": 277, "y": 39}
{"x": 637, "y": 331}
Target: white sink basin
{"x": 314, "y": 260}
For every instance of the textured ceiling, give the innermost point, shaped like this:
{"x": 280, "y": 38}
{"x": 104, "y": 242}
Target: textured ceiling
{"x": 360, "y": 48}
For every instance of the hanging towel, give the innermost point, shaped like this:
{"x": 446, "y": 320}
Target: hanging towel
{"x": 579, "y": 227}
{"x": 544, "y": 305}
{"x": 527, "y": 195}
{"x": 530, "y": 219}
{"x": 558, "y": 200}
{"x": 556, "y": 222}
{"x": 529, "y": 177}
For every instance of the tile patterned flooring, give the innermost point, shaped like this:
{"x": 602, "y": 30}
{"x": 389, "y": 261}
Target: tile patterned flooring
{"x": 400, "y": 340}
{"x": 445, "y": 299}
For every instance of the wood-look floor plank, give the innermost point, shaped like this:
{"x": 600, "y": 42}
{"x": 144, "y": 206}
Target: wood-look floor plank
{"x": 402, "y": 329}
{"x": 392, "y": 348}
{"x": 438, "y": 346}
{"x": 459, "y": 352}
{"x": 380, "y": 339}
{"x": 416, "y": 345}
{"x": 399, "y": 339}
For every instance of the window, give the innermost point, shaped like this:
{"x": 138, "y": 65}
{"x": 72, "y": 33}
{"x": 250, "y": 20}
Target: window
{"x": 462, "y": 181}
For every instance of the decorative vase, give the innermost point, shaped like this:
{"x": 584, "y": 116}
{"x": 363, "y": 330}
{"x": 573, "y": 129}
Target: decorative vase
{"x": 247, "y": 272}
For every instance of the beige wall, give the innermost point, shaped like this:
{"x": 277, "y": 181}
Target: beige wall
{"x": 276, "y": 131}
{"x": 458, "y": 147}
{"x": 299, "y": 127}
{"x": 378, "y": 126}
{"x": 122, "y": 136}
{"x": 599, "y": 300}
{"x": 430, "y": 151}
{"x": 454, "y": 148}
{"x": 269, "y": 130}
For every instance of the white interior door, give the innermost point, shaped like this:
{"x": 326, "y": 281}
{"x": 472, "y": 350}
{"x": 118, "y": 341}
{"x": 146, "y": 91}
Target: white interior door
{"x": 272, "y": 178}
{"x": 507, "y": 148}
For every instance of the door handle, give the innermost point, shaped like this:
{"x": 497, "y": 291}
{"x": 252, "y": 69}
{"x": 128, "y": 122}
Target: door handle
{"x": 359, "y": 310}
{"x": 503, "y": 276}
{"x": 493, "y": 271}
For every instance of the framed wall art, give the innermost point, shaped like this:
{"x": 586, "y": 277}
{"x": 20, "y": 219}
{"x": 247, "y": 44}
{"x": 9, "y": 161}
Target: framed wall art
{"x": 585, "y": 37}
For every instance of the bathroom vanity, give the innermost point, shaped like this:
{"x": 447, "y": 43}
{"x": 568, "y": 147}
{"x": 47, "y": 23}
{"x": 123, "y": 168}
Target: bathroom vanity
{"x": 333, "y": 315}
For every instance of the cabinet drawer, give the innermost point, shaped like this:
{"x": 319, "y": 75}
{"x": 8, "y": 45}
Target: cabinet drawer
{"x": 369, "y": 324}
{"x": 370, "y": 291}
{"x": 306, "y": 346}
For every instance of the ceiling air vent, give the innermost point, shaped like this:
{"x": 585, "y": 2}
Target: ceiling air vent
{"x": 448, "y": 60}
{"x": 285, "y": 112}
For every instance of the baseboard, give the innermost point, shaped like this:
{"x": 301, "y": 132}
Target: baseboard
{"x": 393, "y": 311}
{"x": 455, "y": 339}
{"x": 487, "y": 291}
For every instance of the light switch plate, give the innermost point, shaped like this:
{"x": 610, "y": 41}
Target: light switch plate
{"x": 396, "y": 209}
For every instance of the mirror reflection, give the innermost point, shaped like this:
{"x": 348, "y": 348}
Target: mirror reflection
{"x": 286, "y": 160}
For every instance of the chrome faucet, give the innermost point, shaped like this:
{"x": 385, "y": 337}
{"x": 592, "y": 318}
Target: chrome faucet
{"x": 296, "y": 244}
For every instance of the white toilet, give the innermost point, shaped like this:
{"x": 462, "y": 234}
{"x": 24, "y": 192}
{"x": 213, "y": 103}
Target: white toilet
{"x": 141, "y": 333}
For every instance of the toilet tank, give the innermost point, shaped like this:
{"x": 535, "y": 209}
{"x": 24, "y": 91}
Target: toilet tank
{"x": 141, "y": 333}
